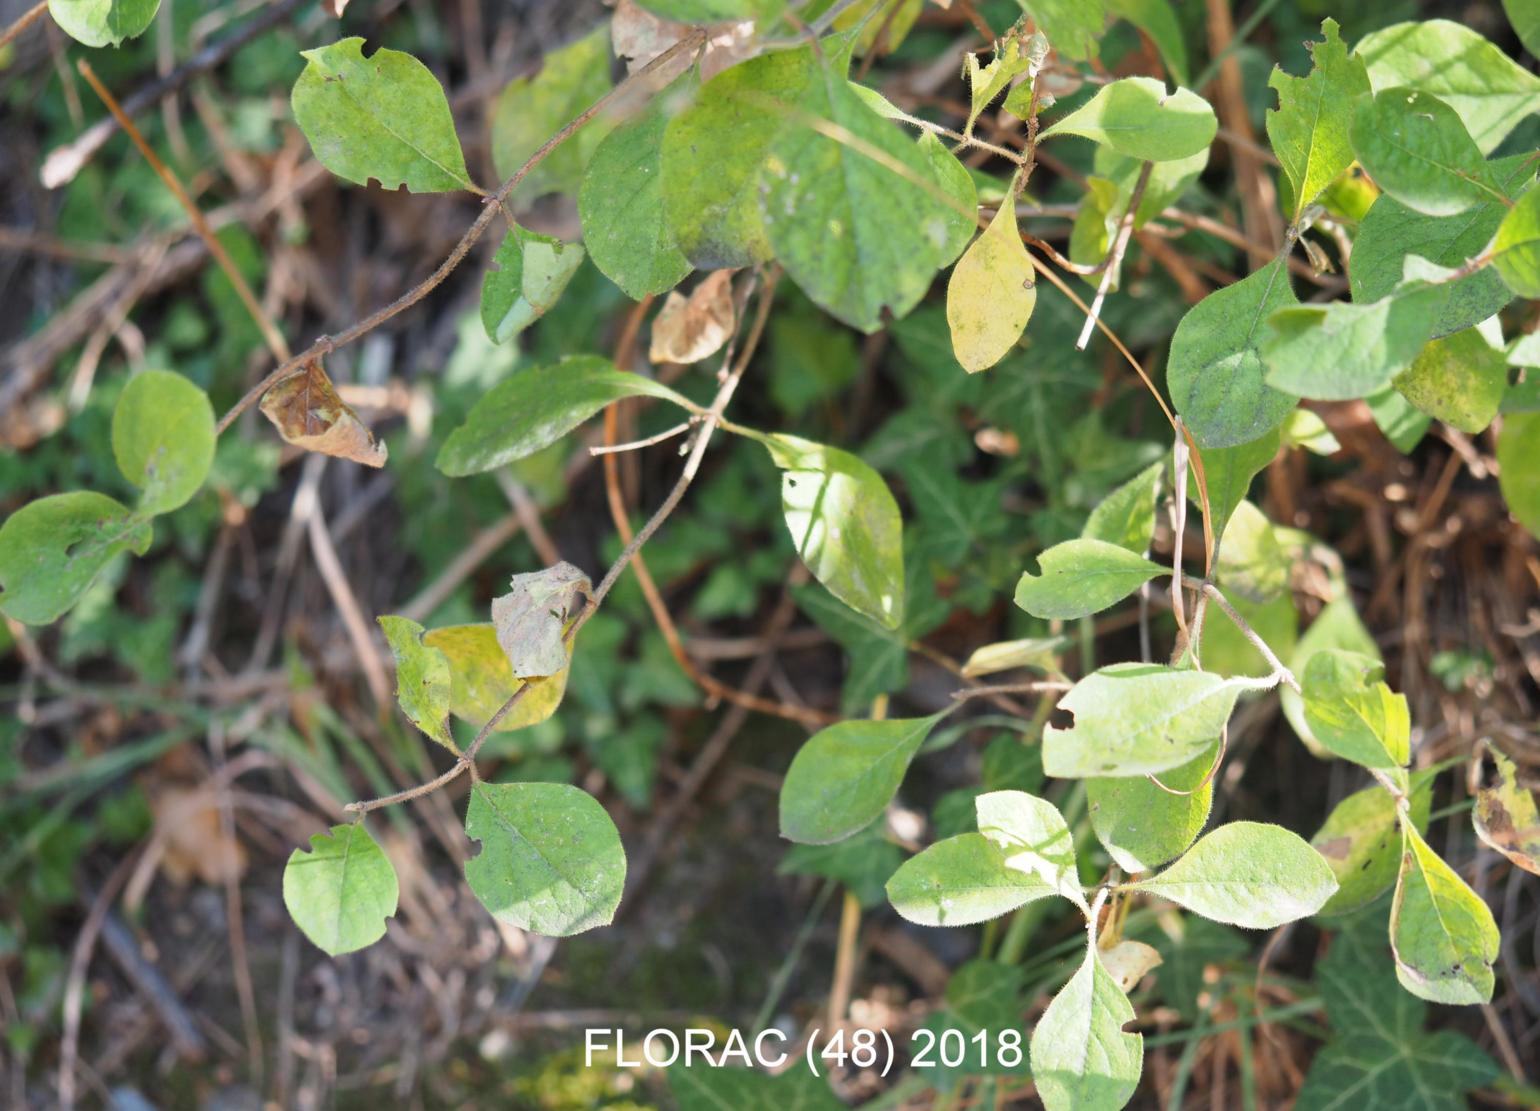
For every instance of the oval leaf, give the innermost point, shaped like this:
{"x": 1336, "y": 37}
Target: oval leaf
{"x": 163, "y": 438}
{"x": 1443, "y": 935}
{"x": 961, "y": 881}
{"x": 526, "y": 279}
{"x": 1142, "y": 826}
{"x": 422, "y": 679}
{"x": 1138, "y": 118}
{"x": 1034, "y": 838}
{"x": 1506, "y": 817}
{"x": 843, "y": 778}
{"x": 52, "y": 549}
{"x": 103, "y": 22}
{"x": 532, "y": 109}
{"x": 990, "y": 296}
{"x": 340, "y": 892}
{"x": 1352, "y": 713}
{"x": 1081, "y": 577}
{"x": 1515, "y": 250}
{"x": 1416, "y": 148}
{"x": 1082, "y": 1059}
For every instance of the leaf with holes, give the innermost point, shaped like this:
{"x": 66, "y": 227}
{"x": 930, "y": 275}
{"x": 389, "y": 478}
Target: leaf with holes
{"x": 1081, "y": 577}
{"x": 1309, "y": 128}
{"x": 1506, "y": 817}
{"x": 340, "y": 892}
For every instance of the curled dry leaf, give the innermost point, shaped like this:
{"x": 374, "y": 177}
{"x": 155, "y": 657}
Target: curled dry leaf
{"x": 1128, "y": 961}
{"x": 531, "y": 618}
{"x": 689, "y": 329}
{"x": 1506, "y": 817}
{"x": 308, "y": 413}
{"x": 196, "y": 845}
{"x": 639, "y": 36}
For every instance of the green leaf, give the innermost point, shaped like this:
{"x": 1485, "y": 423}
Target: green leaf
{"x": 551, "y": 861}
{"x": 1309, "y": 129}
{"x": 1247, "y": 874}
{"x": 1081, "y": 577}
{"x": 1034, "y": 838}
{"x": 985, "y": 82}
{"x": 1252, "y": 564}
{"x": 1362, "y": 844}
{"x": 534, "y": 408}
{"x": 845, "y": 525}
{"x": 843, "y": 778}
{"x": 1460, "y": 379}
{"x": 713, "y": 153}
{"x": 851, "y": 219}
{"x": 1353, "y": 713}
{"x": 1136, "y": 117}
{"x": 1133, "y": 719}
{"x": 1416, "y": 148}
{"x": 1215, "y": 371}
{"x": 1158, "y": 20}
{"x": 743, "y": 1089}
{"x": 1126, "y": 517}
{"x": 713, "y": 11}
{"x": 163, "y": 438}
{"x": 1515, "y": 250}
{"x": 961, "y": 881}
{"x": 1403, "y": 424}
{"x": 952, "y": 178}
{"x": 1229, "y": 472}
{"x": 1082, "y": 1059}
{"x": 1525, "y": 17}
{"x": 103, "y": 22}
{"x": 526, "y": 278}
{"x": 1442, "y": 933}
{"x": 863, "y": 863}
{"x": 1336, "y": 626}
{"x": 384, "y": 117}
{"x": 991, "y": 294}
{"x": 52, "y": 549}
{"x": 1073, "y": 26}
{"x": 422, "y": 679}
{"x": 621, "y": 208}
{"x": 481, "y": 679}
{"x": 1489, "y": 90}
{"x": 532, "y": 109}
{"x": 1141, "y": 825}
{"x": 341, "y": 891}
{"x": 1506, "y": 817}
{"x": 1518, "y": 459}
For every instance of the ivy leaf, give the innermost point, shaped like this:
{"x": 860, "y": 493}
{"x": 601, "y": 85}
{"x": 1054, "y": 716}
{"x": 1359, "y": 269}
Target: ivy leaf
{"x": 341, "y": 891}
{"x": 531, "y": 619}
{"x": 1073, "y": 26}
{"x": 1248, "y": 874}
{"x": 961, "y": 881}
{"x": 1506, "y": 817}
{"x": 103, "y": 22}
{"x": 481, "y": 679}
{"x": 1082, "y": 1059}
{"x": 309, "y": 413}
{"x": 422, "y": 679}
{"x": 1515, "y": 250}
{"x": 1158, "y": 20}
{"x": 713, "y": 153}
{"x": 851, "y": 218}
{"x": 163, "y": 438}
{"x": 1489, "y": 91}
{"x": 1034, "y": 838}
{"x": 1442, "y": 933}
{"x": 843, "y": 778}
{"x": 1136, "y": 117}
{"x": 1309, "y": 128}
{"x": 1229, "y": 472}
{"x": 532, "y": 109}
{"x": 1141, "y": 825}
{"x": 1460, "y": 380}
{"x": 384, "y": 117}
{"x": 52, "y": 549}
{"x": 526, "y": 279}
{"x": 1215, "y": 371}
{"x": 534, "y": 408}
{"x": 844, "y": 524}
{"x": 1353, "y": 713}
{"x": 1518, "y": 457}
{"x": 621, "y": 208}
{"x": 1362, "y": 844}
{"x": 551, "y": 861}
{"x": 1081, "y": 577}
{"x": 1126, "y": 517}
{"x": 1133, "y": 719}
{"x": 991, "y": 294}
{"x": 1417, "y": 149}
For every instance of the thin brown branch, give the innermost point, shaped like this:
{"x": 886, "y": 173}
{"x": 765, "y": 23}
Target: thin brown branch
{"x": 28, "y": 18}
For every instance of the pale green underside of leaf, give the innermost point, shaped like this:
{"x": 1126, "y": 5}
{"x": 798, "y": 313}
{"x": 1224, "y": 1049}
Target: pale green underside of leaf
{"x": 1034, "y": 838}
{"x": 526, "y": 279}
{"x": 1082, "y": 1059}
{"x": 52, "y": 549}
{"x": 103, "y": 22}
{"x": 1126, "y": 517}
{"x": 340, "y": 892}
{"x": 1082, "y": 577}
{"x": 961, "y": 881}
{"x": 843, "y": 778}
{"x": 163, "y": 438}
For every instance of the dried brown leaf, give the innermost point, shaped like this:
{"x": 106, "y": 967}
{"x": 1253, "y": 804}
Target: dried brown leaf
{"x": 689, "y": 329}
{"x": 308, "y": 413}
{"x": 1506, "y": 817}
{"x": 639, "y": 36}
{"x": 196, "y": 845}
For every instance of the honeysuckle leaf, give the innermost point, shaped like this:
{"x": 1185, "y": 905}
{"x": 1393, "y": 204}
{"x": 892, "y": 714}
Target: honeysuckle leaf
{"x": 1443, "y": 935}
{"x": 1215, "y": 371}
{"x": 340, "y": 892}
{"x": 991, "y": 294}
{"x": 52, "y": 549}
{"x": 531, "y": 409}
{"x": 1141, "y": 825}
{"x": 526, "y": 279}
{"x": 423, "y": 684}
{"x": 1034, "y": 838}
{"x": 1228, "y": 472}
{"x": 1518, "y": 456}
{"x": 1251, "y": 563}
{"x": 1525, "y": 17}
{"x": 1336, "y": 626}
{"x": 531, "y": 619}
{"x": 1135, "y": 116}
{"x": 1506, "y": 817}
{"x": 1353, "y": 713}
{"x": 1417, "y": 149}
{"x": 1309, "y": 128}
{"x": 1361, "y": 842}
{"x": 985, "y": 82}
{"x": 954, "y": 181}
{"x": 103, "y": 22}
{"x": 961, "y": 881}
{"x": 844, "y": 524}
{"x": 1459, "y": 379}
{"x": 163, "y": 438}
{"x": 1515, "y": 250}
{"x": 1126, "y": 517}
{"x": 1489, "y": 91}
{"x": 532, "y": 109}
{"x": 481, "y": 679}
{"x": 383, "y": 118}
{"x": 1248, "y": 874}
{"x": 551, "y": 860}
{"x": 1133, "y": 719}
{"x": 308, "y": 412}
{"x": 1082, "y": 1058}
{"x": 843, "y": 778}
{"x": 1081, "y": 577}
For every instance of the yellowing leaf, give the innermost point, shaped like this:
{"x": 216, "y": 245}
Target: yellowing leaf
{"x": 1506, "y": 817}
{"x": 307, "y": 412}
{"x": 481, "y": 679}
{"x": 991, "y": 294}
{"x": 689, "y": 329}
